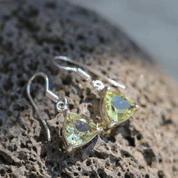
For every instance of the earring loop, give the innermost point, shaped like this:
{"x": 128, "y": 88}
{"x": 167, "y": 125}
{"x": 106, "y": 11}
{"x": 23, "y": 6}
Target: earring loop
{"x": 82, "y": 72}
{"x": 49, "y": 94}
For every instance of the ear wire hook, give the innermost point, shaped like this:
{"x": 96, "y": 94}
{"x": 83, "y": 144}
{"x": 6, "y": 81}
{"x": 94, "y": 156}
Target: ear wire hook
{"x": 82, "y": 72}
{"x": 49, "y": 94}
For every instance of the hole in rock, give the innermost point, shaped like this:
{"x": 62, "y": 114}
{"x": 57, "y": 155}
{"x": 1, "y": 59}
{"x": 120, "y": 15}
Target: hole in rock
{"x": 81, "y": 37}
{"x": 118, "y": 163}
{"x": 161, "y": 174}
{"x": 101, "y": 173}
{"x": 32, "y": 176}
{"x": 64, "y": 175}
{"x": 46, "y": 50}
{"x": 139, "y": 137}
{"x": 71, "y": 46}
{"x": 53, "y": 150}
{"x": 88, "y": 91}
{"x": 101, "y": 155}
{"x": 34, "y": 149}
{"x": 32, "y": 12}
{"x": 147, "y": 176}
{"x": 103, "y": 72}
{"x": 9, "y": 113}
{"x": 22, "y": 83}
{"x": 149, "y": 156}
{"x": 75, "y": 174}
{"x": 56, "y": 169}
{"x": 91, "y": 50}
{"x": 101, "y": 39}
{"x": 67, "y": 80}
{"x": 13, "y": 96}
{"x": 2, "y": 160}
{"x": 2, "y": 172}
{"x": 33, "y": 169}
{"x": 112, "y": 139}
{"x": 42, "y": 136}
{"x": 33, "y": 65}
{"x": 50, "y": 5}
{"x": 67, "y": 93}
{"x": 8, "y": 85}
{"x": 19, "y": 75}
{"x": 31, "y": 159}
{"x": 71, "y": 106}
{"x": 49, "y": 163}
{"x": 43, "y": 153}
{"x": 11, "y": 137}
{"x": 128, "y": 175}
{"x": 23, "y": 134}
{"x": 88, "y": 163}
{"x": 12, "y": 148}
{"x": 23, "y": 145}
{"x": 90, "y": 97}
{"x": 125, "y": 154}
{"x": 57, "y": 48}
{"x": 119, "y": 174}
{"x": 84, "y": 12}
{"x": 131, "y": 141}
{"x": 90, "y": 108}
{"x": 0, "y": 123}
{"x": 92, "y": 176}
{"x": 9, "y": 171}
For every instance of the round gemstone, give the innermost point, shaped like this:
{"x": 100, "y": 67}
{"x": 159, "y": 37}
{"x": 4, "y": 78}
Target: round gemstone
{"x": 117, "y": 106}
{"x": 79, "y": 129}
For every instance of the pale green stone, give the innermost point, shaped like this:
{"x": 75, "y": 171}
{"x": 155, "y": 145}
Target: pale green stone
{"x": 79, "y": 130}
{"x": 117, "y": 106}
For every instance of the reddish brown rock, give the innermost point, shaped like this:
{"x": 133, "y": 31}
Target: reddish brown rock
{"x": 31, "y": 33}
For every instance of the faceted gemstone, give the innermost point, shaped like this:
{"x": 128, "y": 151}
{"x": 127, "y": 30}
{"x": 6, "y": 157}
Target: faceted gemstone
{"x": 117, "y": 106}
{"x": 79, "y": 130}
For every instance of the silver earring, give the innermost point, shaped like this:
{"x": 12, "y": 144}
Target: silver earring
{"x": 78, "y": 130}
{"x": 115, "y": 108}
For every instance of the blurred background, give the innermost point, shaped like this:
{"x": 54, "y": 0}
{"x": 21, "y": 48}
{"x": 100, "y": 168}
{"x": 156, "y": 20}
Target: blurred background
{"x": 152, "y": 24}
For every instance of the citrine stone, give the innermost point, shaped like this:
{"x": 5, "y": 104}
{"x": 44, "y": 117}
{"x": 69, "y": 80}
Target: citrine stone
{"x": 79, "y": 129}
{"x": 117, "y": 106}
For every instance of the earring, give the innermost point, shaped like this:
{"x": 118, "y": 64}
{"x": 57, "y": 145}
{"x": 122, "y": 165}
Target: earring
{"x": 115, "y": 108}
{"x": 78, "y": 130}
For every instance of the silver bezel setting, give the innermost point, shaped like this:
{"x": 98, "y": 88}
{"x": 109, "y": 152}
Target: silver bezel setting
{"x": 70, "y": 147}
{"x": 105, "y": 117}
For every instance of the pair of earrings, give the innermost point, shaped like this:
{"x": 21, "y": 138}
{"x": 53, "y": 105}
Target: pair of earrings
{"x": 78, "y": 130}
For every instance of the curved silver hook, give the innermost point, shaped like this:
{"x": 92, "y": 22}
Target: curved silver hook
{"x": 51, "y": 95}
{"x": 82, "y": 72}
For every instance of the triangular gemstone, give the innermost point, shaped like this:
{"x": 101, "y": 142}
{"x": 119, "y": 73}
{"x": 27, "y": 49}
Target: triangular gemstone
{"x": 79, "y": 130}
{"x": 117, "y": 106}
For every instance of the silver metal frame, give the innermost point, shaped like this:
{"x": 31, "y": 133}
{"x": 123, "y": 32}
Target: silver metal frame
{"x": 70, "y": 147}
{"x": 97, "y": 85}
{"x": 103, "y": 113}
{"x": 61, "y": 106}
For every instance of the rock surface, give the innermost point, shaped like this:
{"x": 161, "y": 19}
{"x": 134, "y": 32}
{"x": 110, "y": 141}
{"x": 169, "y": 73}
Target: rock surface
{"x": 31, "y": 33}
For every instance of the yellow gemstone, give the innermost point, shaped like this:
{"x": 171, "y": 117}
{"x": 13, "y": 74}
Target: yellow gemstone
{"x": 79, "y": 129}
{"x": 117, "y": 106}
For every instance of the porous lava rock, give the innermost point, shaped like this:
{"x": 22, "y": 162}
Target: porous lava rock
{"x": 32, "y": 32}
